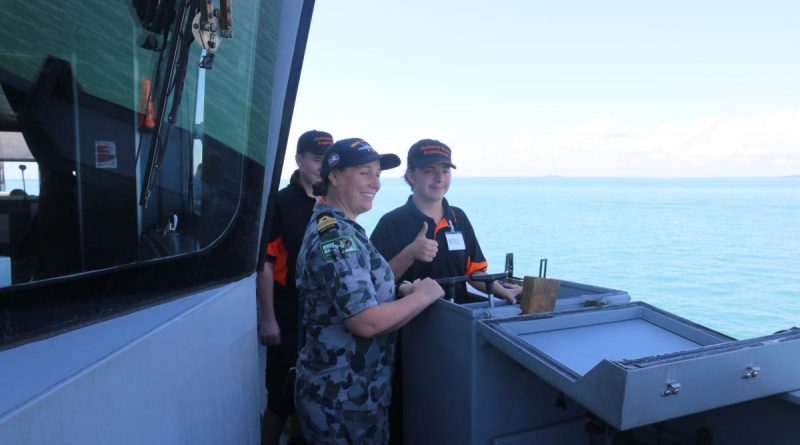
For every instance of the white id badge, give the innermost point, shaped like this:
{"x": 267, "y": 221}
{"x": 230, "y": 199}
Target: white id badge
{"x": 455, "y": 241}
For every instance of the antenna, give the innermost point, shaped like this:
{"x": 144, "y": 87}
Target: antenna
{"x": 22, "y": 168}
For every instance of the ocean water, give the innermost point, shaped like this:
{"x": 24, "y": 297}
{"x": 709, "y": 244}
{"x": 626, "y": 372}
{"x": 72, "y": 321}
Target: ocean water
{"x": 30, "y": 186}
{"x": 724, "y": 253}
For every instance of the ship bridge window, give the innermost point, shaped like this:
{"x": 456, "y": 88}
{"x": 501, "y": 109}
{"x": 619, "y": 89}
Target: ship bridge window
{"x": 116, "y": 147}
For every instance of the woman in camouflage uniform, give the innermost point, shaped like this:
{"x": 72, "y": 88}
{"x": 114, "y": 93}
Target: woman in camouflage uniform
{"x": 350, "y": 313}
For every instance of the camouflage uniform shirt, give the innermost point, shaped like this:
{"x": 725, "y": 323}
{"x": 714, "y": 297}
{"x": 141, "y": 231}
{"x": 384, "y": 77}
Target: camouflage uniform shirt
{"x": 339, "y": 274}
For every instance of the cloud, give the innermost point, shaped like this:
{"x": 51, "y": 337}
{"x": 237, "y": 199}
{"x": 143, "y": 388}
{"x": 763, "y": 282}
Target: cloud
{"x": 764, "y": 144}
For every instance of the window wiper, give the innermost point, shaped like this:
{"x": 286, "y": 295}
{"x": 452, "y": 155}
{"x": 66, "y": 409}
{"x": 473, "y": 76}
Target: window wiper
{"x": 172, "y": 86}
{"x": 202, "y": 24}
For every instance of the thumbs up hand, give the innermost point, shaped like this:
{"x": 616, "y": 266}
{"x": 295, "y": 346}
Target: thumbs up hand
{"x": 422, "y": 248}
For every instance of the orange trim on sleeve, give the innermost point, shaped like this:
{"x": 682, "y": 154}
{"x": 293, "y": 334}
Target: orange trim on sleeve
{"x": 476, "y": 267}
{"x": 277, "y": 250}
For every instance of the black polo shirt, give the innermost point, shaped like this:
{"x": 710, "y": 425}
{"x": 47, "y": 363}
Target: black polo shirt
{"x": 398, "y": 228}
{"x": 287, "y": 223}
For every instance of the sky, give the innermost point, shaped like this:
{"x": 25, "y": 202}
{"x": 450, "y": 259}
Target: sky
{"x": 579, "y": 88}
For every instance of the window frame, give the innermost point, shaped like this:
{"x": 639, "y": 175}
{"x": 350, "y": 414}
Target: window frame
{"x": 40, "y": 309}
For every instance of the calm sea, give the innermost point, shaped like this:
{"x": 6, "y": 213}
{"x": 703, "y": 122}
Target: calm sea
{"x": 722, "y": 252}
{"x": 30, "y": 186}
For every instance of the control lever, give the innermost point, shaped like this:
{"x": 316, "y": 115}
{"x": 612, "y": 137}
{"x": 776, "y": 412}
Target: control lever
{"x": 509, "y": 264}
{"x": 489, "y": 279}
{"x": 510, "y": 278}
{"x": 449, "y": 283}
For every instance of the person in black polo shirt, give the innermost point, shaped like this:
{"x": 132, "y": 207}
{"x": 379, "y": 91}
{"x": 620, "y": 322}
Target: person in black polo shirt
{"x": 429, "y": 238}
{"x": 275, "y": 284}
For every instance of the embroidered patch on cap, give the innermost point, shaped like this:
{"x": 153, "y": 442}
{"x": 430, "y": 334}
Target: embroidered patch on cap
{"x": 362, "y": 145}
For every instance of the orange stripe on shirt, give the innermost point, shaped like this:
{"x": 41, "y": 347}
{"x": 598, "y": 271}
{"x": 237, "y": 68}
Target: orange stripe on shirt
{"x": 473, "y": 267}
{"x": 277, "y": 250}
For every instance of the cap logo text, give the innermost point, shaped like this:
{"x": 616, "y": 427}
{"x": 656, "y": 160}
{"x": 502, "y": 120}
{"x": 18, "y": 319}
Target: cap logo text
{"x": 362, "y": 145}
{"x": 323, "y": 140}
{"x": 433, "y": 150}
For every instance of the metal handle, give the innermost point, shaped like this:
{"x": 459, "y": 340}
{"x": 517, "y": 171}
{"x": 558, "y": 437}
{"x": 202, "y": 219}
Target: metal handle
{"x": 449, "y": 284}
{"x": 489, "y": 280}
{"x": 672, "y": 389}
{"x": 751, "y": 372}
{"x": 509, "y": 265}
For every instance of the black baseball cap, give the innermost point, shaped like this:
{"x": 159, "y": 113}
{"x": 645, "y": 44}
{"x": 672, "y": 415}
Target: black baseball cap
{"x": 314, "y": 141}
{"x": 354, "y": 151}
{"x": 427, "y": 152}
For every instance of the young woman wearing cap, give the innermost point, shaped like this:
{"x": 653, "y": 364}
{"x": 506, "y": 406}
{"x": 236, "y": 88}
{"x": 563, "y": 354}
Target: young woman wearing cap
{"x": 350, "y": 313}
{"x": 427, "y": 237}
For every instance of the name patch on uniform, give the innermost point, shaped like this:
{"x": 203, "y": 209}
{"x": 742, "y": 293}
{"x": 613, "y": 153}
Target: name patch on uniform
{"x": 337, "y": 247}
{"x": 455, "y": 241}
{"x": 326, "y": 222}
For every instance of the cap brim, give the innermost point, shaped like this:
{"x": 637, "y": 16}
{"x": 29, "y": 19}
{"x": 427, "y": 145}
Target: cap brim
{"x": 389, "y": 161}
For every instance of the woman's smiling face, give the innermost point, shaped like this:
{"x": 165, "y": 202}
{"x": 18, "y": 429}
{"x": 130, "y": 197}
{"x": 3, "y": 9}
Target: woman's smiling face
{"x": 354, "y": 188}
